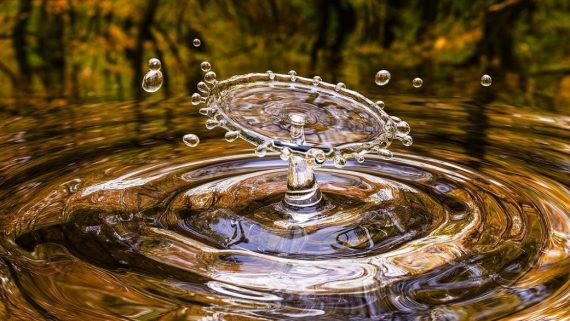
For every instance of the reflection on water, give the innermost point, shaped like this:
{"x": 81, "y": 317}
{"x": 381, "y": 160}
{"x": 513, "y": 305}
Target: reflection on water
{"x": 107, "y": 215}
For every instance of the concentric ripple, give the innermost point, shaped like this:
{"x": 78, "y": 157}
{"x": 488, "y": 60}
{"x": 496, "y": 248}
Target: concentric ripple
{"x": 409, "y": 236}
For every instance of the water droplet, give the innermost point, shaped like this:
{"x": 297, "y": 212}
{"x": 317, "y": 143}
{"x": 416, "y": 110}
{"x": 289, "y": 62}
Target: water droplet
{"x": 152, "y": 81}
{"x": 417, "y": 82}
{"x": 293, "y": 75}
{"x": 203, "y": 88}
{"x": 403, "y": 127}
{"x": 191, "y": 140}
{"x": 407, "y": 140}
{"x": 317, "y": 80}
{"x": 197, "y": 99}
{"x": 486, "y": 80}
{"x": 285, "y": 153}
{"x": 196, "y": 42}
{"x": 206, "y": 111}
{"x": 339, "y": 161}
{"x": 210, "y": 77}
{"x": 154, "y": 64}
{"x": 382, "y": 77}
{"x": 261, "y": 150}
{"x": 360, "y": 156}
{"x": 212, "y": 123}
{"x": 340, "y": 86}
{"x": 270, "y": 74}
{"x": 231, "y": 135}
{"x": 205, "y": 66}
{"x": 317, "y": 155}
{"x": 380, "y": 104}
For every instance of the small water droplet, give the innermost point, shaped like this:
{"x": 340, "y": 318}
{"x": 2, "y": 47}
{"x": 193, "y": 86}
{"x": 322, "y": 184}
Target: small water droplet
{"x": 154, "y": 64}
{"x": 339, "y": 161}
{"x": 270, "y": 74}
{"x": 191, "y": 140}
{"x": 417, "y": 82}
{"x": 212, "y": 123}
{"x": 317, "y": 80}
{"x": 210, "y": 77}
{"x": 207, "y": 111}
{"x": 285, "y": 153}
{"x": 261, "y": 150}
{"x": 382, "y": 77}
{"x": 231, "y": 135}
{"x": 340, "y": 86}
{"x": 196, "y": 42}
{"x": 317, "y": 155}
{"x": 407, "y": 140}
{"x": 196, "y": 99}
{"x": 293, "y": 75}
{"x": 486, "y": 80}
{"x": 152, "y": 81}
{"x": 403, "y": 127}
{"x": 205, "y": 66}
{"x": 380, "y": 104}
{"x": 203, "y": 88}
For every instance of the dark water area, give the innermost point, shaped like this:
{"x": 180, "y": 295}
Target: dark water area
{"x": 107, "y": 215}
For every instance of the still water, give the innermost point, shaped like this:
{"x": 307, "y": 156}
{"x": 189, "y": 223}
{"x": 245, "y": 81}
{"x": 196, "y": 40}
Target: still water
{"x": 107, "y": 215}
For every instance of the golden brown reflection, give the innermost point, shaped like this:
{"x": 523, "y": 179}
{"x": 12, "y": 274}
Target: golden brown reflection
{"x": 115, "y": 218}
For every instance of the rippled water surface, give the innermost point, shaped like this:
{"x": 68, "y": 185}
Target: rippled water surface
{"x": 107, "y": 215}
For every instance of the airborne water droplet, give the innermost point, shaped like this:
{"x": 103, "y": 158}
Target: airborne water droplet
{"x": 212, "y": 123}
{"x": 231, "y": 135}
{"x": 486, "y": 80}
{"x": 154, "y": 64}
{"x": 293, "y": 75}
{"x": 417, "y": 82}
{"x": 203, "y": 88}
{"x": 196, "y": 99}
{"x": 196, "y": 42}
{"x": 382, "y": 77}
{"x": 210, "y": 77}
{"x": 152, "y": 81}
{"x": 340, "y": 86}
{"x": 191, "y": 140}
{"x": 205, "y": 66}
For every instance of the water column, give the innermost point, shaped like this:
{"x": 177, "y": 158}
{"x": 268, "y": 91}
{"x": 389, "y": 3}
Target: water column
{"x": 302, "y": 188}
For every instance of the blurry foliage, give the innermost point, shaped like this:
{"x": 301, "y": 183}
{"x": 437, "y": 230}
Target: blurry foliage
{"x": 76, "y": 49}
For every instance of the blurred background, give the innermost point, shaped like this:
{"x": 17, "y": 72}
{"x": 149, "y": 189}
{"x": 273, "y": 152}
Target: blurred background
{"x": 58, "y": 52}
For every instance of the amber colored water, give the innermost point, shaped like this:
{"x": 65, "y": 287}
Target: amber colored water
{"x": 107, "y": 215}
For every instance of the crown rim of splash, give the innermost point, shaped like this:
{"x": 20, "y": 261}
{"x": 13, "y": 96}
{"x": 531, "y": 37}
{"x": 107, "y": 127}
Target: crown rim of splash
{"x": 218, "y": 89}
